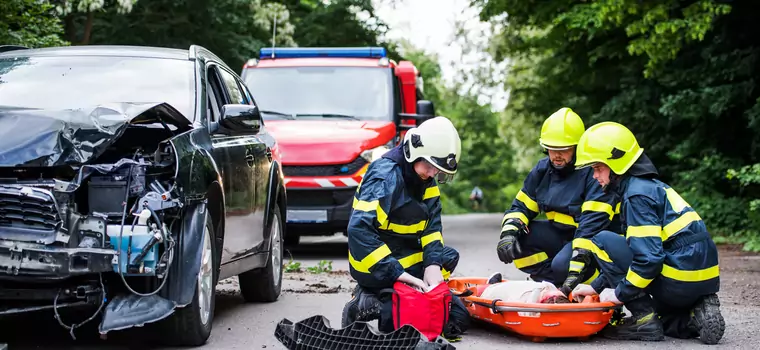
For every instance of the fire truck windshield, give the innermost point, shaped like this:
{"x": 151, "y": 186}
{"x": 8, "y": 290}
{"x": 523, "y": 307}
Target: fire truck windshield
{"x": 353, "y": 93}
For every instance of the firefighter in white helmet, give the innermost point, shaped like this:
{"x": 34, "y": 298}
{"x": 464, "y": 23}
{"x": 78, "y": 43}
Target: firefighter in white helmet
{"x": 395, "y": 231}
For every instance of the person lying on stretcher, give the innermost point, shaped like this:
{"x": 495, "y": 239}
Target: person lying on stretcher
{"x": 522, "y": 291}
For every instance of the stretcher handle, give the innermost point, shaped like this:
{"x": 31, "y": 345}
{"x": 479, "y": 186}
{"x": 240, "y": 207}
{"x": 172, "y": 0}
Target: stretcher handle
{"x": 538, "y": 309}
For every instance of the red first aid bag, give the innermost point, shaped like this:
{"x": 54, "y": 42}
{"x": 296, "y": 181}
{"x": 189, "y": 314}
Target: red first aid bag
{"x": 427, "y": 312}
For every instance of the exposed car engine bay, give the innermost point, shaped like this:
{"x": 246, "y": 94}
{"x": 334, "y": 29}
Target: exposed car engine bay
{"x": 92, "y": 212}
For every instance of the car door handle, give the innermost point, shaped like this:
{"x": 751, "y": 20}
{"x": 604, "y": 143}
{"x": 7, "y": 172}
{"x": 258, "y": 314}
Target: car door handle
{"x": 249, "y": 159}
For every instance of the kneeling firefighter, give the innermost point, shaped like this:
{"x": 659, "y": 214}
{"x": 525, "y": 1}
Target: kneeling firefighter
{"x": 674, "y": 270}
{"x": 394, "y": 232}
{"x": 554, "y": 250}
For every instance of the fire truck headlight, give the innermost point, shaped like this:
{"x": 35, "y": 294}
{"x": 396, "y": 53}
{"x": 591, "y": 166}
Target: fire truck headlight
{"x": 373, "y": 154}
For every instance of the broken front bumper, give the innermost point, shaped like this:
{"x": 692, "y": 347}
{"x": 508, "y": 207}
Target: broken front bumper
{"x": 31, "y": 260}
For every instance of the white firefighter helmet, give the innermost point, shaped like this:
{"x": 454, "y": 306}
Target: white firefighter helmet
{"x": 436, "y": 141}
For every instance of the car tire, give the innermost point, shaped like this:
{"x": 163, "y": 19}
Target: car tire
{"x": 265, "y": 284}
{"x": 191, "y": 325}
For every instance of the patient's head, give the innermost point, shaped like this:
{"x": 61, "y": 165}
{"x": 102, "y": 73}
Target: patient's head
{"x": 556, "y": 299}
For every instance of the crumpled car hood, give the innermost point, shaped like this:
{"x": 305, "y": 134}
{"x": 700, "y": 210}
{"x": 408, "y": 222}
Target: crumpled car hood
{"x": 46, "y": 138}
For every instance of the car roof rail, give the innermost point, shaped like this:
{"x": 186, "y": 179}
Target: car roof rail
{"x": 6, "y": 48}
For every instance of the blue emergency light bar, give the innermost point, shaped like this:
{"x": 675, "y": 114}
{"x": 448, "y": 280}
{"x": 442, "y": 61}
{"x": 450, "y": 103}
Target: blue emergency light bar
{"x": 302, "y": 52}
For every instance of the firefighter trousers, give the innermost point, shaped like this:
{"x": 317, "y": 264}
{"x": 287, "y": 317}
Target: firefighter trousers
{"x": 673, "y": 300}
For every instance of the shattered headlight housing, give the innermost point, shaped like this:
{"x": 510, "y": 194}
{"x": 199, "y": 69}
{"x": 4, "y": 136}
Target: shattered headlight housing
{"x": 371, "y": 155}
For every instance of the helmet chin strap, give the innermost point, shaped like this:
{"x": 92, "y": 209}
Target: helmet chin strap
{"x": 614, "y": 182}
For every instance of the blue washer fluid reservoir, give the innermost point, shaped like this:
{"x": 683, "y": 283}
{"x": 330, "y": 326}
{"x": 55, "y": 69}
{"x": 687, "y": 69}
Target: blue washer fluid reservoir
{"x": 140, "y": 236}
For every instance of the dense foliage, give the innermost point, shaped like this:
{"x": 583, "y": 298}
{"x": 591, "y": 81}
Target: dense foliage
{"x": 682, "y": 75}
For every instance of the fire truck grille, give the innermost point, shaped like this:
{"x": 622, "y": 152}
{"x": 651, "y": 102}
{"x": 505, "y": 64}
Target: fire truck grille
{"x": 325, "y": 170}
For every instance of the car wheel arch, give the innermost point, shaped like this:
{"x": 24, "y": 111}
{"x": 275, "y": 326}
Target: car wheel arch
{"x": 216, "y": 205}
{"x": 276, "y": 194}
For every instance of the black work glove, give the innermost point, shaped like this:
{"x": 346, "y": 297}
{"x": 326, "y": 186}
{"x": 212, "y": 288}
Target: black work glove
{"x": 509, "y": 248}
{"x": 582, "y": 256}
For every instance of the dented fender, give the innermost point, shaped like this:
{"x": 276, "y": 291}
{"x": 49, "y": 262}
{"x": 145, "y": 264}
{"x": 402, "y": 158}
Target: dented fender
{"x": 195, "y": 169}
{"x": 183, "y": 274}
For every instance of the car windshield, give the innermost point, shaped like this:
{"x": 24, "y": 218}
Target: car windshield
{"x": 66, "y": 82}
{"x": 362, "y": 93}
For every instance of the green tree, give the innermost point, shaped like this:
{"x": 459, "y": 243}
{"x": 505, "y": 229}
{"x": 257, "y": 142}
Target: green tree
{"x": 29, "y": 23}
{"x": 680, "y": 75}
{"x": 79, "y": 15}
{"x": 337, "y": 23}
{"x": 486, "y": 155}
{"x": 233, "y": 29}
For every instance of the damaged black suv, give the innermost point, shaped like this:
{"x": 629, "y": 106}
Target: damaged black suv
{"x": 132, "y": 179}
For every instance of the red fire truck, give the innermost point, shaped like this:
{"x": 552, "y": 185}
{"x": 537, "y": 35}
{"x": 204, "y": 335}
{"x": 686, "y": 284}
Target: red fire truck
{"x": 333, "y": 111}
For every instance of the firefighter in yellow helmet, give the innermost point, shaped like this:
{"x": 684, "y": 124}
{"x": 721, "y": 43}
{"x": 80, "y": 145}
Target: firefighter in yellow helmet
{"x": 575, "y": 205}
{"x": 674, "y": 271}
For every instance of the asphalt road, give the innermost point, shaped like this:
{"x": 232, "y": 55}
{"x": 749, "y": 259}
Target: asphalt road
{"x": 238, "y": 325}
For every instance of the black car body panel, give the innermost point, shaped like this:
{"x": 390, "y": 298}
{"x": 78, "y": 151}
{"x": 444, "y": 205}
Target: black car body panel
{"x": 77, "y": 167}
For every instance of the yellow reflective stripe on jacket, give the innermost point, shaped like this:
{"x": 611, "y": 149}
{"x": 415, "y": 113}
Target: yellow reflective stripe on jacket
{"x": 410, "y": 260}
{"x": 643, "y": 231}
{"x": 382, "y": 218}
{"x": 676, "y": 201}
{"x": 404, "y": 229}
{"x": 360, "y": 205}
{"x": 585, "y": 243}
{"x": 430, "y": 238}
{"x": 637, "y": 280}
{"x": 515, "y": 215}
{"x": 531, "y": 204}
{"x": 431, "y": 192}
{"x": 531, "y": 260}
{"x": 446, "y": 274}
{"x": 592, "y": 278}
{"x": 561, "y": 218}
{"x": 679, "y": 224}
{"x": 669, "y": 230}
{"x": 598, "y": 207}
{"x": 690, "y": 275}
{"x": 576, "y": 266}
{"x": 617, "y": 208}
{"x": 370, "y": 260}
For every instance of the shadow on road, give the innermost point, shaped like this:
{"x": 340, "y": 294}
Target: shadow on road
{"x": 40, "y": 330}
{"x": 331, "y": 250}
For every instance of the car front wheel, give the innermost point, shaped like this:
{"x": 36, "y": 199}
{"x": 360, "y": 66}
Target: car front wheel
{"x": 265, "y": 284}
{"x": 191, "y": 325}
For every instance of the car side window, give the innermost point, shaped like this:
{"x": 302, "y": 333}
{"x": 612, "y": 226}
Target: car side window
{"x": 248, "y": 97}
{"x": 233, "y": 89}
{"x": 215, "y": 95}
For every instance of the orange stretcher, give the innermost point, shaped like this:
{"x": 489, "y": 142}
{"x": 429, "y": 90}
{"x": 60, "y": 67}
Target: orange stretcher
{"x": 535, "y": 321}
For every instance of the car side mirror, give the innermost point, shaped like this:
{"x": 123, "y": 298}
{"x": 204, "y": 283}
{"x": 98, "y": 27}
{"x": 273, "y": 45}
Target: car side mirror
{"x": 425, "y": 108}
{"x": 425, "y": 111}
{"x": 240, "y": 118}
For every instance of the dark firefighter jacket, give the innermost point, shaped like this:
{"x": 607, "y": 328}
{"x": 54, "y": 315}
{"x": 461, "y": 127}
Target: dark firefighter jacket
{"x": 667, "y": 237}
{"x": 395, "y": 224}
{"x": 572, "y": 200}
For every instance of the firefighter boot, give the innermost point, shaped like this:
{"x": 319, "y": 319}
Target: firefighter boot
{"x": 582, "y": 261}
{"x": 644, "y": 324}
{"x": 707, "y": 320}
{"x": 363, "y": 306}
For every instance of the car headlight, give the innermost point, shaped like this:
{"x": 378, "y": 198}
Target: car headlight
{"x": 371, "y": 155}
